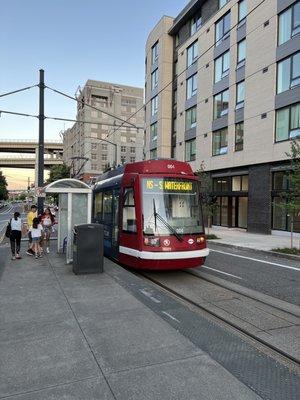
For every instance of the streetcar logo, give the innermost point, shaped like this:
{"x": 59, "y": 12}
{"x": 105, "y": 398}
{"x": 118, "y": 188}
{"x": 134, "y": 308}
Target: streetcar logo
{"x": 190, "y": 241}
{"x": 166, "y": 242}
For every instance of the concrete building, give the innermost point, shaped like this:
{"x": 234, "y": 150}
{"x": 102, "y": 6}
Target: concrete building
{"x": 87, "y": 142}
{"x": 223, "y": 88}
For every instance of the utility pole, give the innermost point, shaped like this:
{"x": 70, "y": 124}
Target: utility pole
{"x": 41, "y": 140}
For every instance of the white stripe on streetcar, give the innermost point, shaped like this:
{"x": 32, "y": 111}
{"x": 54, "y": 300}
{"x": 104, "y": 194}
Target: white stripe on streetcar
{"x": 256, "y": 259}
{"x": 163, "y": 255}
{"x": 221, "y": 272}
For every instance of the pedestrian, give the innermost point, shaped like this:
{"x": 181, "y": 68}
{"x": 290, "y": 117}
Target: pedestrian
{"x": 15, "y": 235}
{"x": 47, "y": 222}
{"x": 36, "y": 234}
{"x": 30, "y": 216}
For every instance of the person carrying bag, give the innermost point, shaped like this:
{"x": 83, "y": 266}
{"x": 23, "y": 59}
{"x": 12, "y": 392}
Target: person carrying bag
{"x": 15, "y": 235}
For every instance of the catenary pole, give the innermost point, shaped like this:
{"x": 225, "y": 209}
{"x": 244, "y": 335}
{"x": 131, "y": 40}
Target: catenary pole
{"x": 41, "y": 140}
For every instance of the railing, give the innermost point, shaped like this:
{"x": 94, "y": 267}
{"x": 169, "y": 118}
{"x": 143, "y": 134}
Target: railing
{"x": 29, "y": 141}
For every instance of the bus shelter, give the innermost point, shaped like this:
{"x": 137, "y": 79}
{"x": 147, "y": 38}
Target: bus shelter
{"x": 74, "y": 208}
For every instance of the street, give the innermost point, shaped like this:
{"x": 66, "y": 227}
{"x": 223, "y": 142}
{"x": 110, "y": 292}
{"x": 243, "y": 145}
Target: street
{"x": 275, "y": 276}
{"x": 6, "y": 213}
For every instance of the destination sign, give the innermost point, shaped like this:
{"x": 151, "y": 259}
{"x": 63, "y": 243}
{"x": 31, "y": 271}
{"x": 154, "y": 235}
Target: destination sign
{"x": 168, "y": 185}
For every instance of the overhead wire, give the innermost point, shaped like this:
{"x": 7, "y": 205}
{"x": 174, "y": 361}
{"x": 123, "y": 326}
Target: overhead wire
{"x": 88, "y": 105}
{"x": 17, "y": 91}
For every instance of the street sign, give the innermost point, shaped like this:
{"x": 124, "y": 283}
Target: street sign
{"x": 40, "y": 192}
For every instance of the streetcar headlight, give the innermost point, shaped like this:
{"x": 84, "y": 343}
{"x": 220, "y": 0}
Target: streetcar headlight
{"x": 200, "y": 239}
{"x": 152, "y": 241}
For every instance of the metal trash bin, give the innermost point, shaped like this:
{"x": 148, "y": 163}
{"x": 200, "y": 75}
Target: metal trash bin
{"x": 88, "y": 249}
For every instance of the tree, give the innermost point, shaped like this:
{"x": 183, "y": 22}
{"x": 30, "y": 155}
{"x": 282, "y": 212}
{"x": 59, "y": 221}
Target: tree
{"x": 291, "y": 196}
{"x": 3, "y": 187}
{"x": 209, "y": 204}
{"x": 59, "y": 172}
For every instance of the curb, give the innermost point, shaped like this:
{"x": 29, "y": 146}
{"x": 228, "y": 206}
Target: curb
{"x": 258, "y": 251}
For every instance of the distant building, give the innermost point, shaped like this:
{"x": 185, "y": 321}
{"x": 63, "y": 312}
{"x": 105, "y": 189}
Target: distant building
{"x": 223, "y": 88}
{"x": 84, "y": 150}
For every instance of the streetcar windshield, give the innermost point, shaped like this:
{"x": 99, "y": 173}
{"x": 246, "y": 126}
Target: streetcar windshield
{"x": 171, "y": 206}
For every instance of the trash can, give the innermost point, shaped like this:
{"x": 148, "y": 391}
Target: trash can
{"x": 88, "y": 249}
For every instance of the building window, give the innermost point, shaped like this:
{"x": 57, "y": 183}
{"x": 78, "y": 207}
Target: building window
{"x": 288, "y": 73}
{"x": 242, "y": 10}
{"x": 195, "y": 24}
{"x": 132, "y": 150}
{"x": 153, "y": 154}
{"x": 220, "y": 184}
{"x": 222, "y": 64}
{"x": 176, "y": 39}
{"x": 240, "y": 95}
{"x": 94, "y": 156}
{"x": 192, "y": 53}
{"x": 241, "y": 54}
{"x": 222, "y": 3}
{"x": 289, "y": 23}
{"x": 219, "y": 142}
{"x": 123, "y": 159}
{"x": 280, "y": 181}
{"x": 94, "y": 146}
{"x": 132, "y": 159}
{"x": 191, "y": 86}
{"x": 104, "y": 157}
{"x": 154, "y": 105}
{"x": 239, "y": 136}
{"x": 288, "y": 123}
{"x": 94, "y": 166}
{"x": 191, "y": 118}
{"x": 123, "y": 149}
{"x": 222, "y": 29}
{"x": 240, "y": 183}
{"x": 190, "y": 150}
{"x": 175, "y": 97}
{"x": 154, "y": 79}
{"x": 221, "y": 101}
{"x": 104, "y": 146}
{"x": 154, "y": 53}
{"x": 153, "y": 132}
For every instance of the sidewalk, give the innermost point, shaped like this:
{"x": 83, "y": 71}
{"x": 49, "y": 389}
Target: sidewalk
{"x": 110, "y": 336}
{"x": 242, "y": 238}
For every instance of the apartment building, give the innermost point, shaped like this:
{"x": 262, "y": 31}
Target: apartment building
{"x": 97, "y": 140}
{"x": 223, "y": 89}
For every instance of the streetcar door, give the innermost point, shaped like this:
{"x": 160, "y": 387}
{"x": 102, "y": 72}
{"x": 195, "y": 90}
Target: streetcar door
{"x": 128, "y": 236}
{"x": 115, "y": 223}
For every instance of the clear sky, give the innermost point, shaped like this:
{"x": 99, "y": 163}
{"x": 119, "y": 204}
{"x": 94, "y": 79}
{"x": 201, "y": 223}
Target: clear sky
{"x": 72, "y": 40}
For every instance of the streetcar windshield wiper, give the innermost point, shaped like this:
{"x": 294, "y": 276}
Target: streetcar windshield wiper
{"x": 161, "y": 219}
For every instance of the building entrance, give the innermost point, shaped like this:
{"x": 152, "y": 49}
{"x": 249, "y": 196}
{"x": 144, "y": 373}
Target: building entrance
{"x": 231, "y": 211}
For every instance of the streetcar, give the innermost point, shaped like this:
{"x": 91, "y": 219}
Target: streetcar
{"x": 151, "y": 214}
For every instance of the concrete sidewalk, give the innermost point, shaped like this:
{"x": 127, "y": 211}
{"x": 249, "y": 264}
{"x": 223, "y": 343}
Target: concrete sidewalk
{"x": 242, "y": 238}
{"x": 88, "y": 337}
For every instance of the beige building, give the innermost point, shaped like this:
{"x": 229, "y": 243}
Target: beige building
{"x": 223, "y": 89}
{"x": 98, "y": 141}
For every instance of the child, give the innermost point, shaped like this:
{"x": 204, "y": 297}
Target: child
{"x": 15, "y": 235}
{"x": 36, "y": 234}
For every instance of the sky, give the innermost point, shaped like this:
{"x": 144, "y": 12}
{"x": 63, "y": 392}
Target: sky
{"x": 72, "y": 40}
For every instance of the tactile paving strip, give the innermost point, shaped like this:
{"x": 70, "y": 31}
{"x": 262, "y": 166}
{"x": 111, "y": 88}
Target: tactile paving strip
{"x": 261, "y": 373}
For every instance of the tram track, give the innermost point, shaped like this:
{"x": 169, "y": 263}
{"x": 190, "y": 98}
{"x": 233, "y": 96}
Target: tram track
{"x": 206, "y": 308}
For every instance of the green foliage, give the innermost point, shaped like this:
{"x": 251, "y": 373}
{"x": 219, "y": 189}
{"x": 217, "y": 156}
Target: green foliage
{"x": 59, "y": 172}
{"x": 22, "y": 196}
{"x": 3, "y": 187}
{"x": 211, "y": 237}
{"x": 287, "y": 250}
{"x": 209, "y": 204}
{"x": 291, "y": 196}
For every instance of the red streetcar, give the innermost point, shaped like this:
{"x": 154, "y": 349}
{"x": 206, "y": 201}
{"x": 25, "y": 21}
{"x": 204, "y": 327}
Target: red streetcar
{"x": 151, "y": 212}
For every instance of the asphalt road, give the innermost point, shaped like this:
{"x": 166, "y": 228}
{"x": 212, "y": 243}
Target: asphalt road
{"x": 275, "y": 276}
{"x": 6, "y": 214}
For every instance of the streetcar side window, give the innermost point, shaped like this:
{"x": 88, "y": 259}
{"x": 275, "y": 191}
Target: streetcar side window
{"x": 98, "y": 207}
{"x": 129, "y": 219}
{"x": 107, "y": 206}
